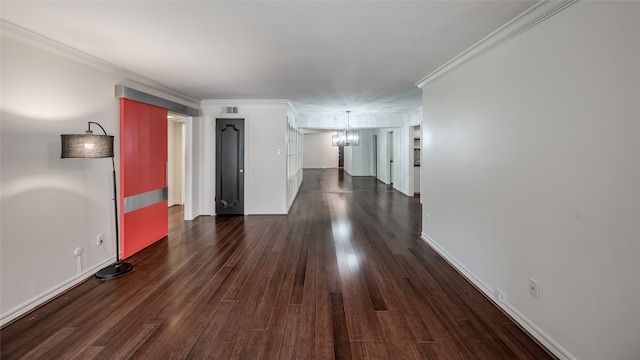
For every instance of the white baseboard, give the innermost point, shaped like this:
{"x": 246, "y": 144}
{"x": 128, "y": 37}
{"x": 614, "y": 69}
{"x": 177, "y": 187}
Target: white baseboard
{"x": 266, "y": 213}
{"x": 499, "y": 298}
{"x": 41, "y": 299}
{"x": 291, "y": 203}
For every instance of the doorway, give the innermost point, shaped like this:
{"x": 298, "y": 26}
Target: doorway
{"x": 176, "y": 158}
{"x": 375, "y": 156}
{"x": 229, "y": 167}
{"x": 390, "y": 155}
{"x": 340, "y": 156}
{"x": 143, "y": 175}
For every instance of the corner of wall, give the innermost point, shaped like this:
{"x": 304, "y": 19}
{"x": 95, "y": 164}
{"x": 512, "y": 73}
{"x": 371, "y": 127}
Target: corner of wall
{"x": 500, "y": 299}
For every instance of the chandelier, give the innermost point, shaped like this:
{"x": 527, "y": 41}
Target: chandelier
{"x": 347, "y": 137}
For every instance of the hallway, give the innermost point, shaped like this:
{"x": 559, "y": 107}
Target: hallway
{"x": 345, "y": 275}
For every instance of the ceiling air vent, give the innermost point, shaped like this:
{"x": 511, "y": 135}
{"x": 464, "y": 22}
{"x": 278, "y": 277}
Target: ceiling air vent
{"x": 229, "y": 109}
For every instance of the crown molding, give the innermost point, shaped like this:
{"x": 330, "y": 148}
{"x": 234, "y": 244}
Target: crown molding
{"x": 18, "y": 33}
{"x": 521, "y": 23}
{"x": 10, "y": 30}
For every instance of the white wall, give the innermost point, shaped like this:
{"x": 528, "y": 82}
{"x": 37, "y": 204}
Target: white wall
{"x": 296, "y": 147}
{"x": 175, "y": 160}
{"x": 318, "y": 151}
{"x": 265, "y": 172}
{"x": 51, "y": 206}
{"x": 383, "y": 156}
{"x": 358, "y": 160}
{"x": 403, "y": 159}
{"x": 193, "y": 163}
{"x": 403, "y": 145}
{"x": 532, "y": 170}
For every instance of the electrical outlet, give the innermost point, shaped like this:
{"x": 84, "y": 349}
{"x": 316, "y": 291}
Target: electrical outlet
{"x": 100, "y": 239}
{"x": 533, "y": 288}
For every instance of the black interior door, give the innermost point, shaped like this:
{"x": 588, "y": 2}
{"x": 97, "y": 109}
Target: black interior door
{"x": 230, "y": 166}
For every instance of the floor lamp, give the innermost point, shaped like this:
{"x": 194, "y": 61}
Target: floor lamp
{"x": 89, "y": 145}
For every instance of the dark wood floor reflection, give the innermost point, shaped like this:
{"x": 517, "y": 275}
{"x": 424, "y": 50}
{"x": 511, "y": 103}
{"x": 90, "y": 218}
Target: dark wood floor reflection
{"x": 344, "y": 275}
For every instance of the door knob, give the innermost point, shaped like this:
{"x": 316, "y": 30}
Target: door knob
{"x": 241, "y": 170}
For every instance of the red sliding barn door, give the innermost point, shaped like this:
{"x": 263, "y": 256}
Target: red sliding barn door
{"x": 143, "y": 175}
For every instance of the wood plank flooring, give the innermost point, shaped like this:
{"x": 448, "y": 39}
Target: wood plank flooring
{"x": 343, "y": 276}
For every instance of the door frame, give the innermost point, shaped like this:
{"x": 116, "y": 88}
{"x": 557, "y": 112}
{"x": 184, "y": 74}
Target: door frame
{"x": 216, "y": 175}
{"x": 390, "y": 155}
{"x": 179, "y": 124}
{"x": 375, "y": 156}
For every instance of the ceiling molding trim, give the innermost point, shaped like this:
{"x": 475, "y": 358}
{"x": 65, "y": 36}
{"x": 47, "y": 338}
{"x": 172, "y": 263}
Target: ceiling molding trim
{"x": 15, "y": 32}
{"x": 18, "y": 33}
{"x": 521, "y": 23}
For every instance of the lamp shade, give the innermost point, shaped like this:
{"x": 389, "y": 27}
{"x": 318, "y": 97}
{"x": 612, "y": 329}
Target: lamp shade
{"x": 86, "y": 146}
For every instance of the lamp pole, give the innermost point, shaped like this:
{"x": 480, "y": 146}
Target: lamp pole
{"x": 98, "y": 146}
{"x": 119, "y": 268}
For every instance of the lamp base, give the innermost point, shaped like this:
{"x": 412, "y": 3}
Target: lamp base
{"x": 114, "y": 271}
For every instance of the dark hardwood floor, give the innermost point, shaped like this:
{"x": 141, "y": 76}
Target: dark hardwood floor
{"x": 343, "y": 276}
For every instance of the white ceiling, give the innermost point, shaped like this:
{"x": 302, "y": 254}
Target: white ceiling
{"x": 325, "y": 56}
